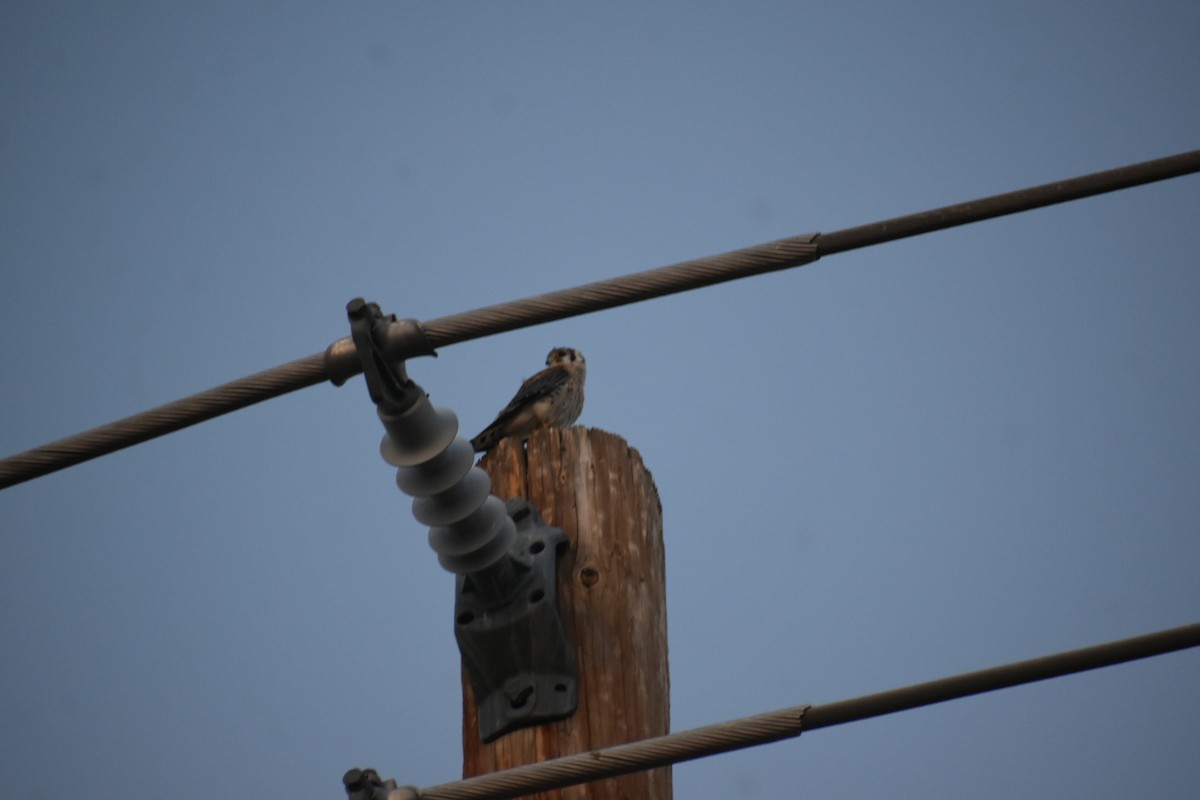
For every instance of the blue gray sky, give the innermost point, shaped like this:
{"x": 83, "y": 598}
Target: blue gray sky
{"x": 900, "y": 463}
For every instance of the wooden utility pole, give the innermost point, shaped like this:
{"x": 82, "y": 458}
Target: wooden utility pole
{"x": 612, "y": 597}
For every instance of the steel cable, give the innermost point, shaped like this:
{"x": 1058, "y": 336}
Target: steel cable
{"x": 162, "y": 420}
{"x": 789, "y": 722}
{"x": 756, "y": 260}
{"x": 621, "y": 759}
{"x": 339, "y": 362}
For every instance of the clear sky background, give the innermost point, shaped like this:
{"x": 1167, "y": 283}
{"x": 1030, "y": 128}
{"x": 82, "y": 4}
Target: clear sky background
{"x": 900, "y": 463}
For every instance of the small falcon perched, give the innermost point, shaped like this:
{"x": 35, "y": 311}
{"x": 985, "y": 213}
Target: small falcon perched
{"x": 551, "y": 399}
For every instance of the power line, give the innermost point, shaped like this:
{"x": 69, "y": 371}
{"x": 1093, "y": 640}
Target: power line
{"x": 790, "y": 722}
{"x": 339, "y": 362}
{"x": 743, "y": 263}
{"x": 162, "y": 420}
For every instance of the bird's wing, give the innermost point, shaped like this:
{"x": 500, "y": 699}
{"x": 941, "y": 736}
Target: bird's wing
{"x": 534, "y": 389}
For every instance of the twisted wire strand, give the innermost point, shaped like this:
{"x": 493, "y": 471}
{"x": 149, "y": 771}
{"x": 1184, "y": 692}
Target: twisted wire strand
{"x": 792, "y": 252}
{"x": 756, "y": 260}
{"x": 621, "y": 759}
{"x": 339, "y": 361}
{"x": 1028, "y": 199}
{"x": 162, "y": 420}
{"x": 789, "y": 722}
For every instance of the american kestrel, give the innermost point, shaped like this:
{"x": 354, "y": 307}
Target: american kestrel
{"x": 551, "y": 399}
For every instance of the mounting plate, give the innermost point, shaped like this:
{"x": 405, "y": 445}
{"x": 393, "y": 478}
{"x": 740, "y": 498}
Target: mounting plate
{"x": 517, "y": 656}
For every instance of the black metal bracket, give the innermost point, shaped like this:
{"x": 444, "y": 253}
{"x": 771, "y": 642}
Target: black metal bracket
{"x": 516, "y": 653}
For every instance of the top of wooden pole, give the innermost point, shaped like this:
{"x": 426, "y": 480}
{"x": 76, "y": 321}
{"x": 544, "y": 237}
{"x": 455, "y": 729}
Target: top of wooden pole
{"x": 612, "y": 598}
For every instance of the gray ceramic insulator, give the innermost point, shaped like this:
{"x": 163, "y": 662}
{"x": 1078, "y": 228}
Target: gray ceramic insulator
{"x": 439, "y": 473}
{"x": 471, "y": 529}
{"x": 477, "y": 542}
{"x": 417, "y": 435}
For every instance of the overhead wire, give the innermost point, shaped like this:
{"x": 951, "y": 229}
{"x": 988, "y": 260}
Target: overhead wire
{"x": 775, "y": 256}
{"x": 790, "y": 722}
{"x": 162, "y": 420}
{"x": 339, "y": 362}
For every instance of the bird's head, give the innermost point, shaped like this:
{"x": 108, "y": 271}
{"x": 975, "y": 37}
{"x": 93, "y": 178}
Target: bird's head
{"x": 570, "y": 358}
{"x": 565, "y": 356}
